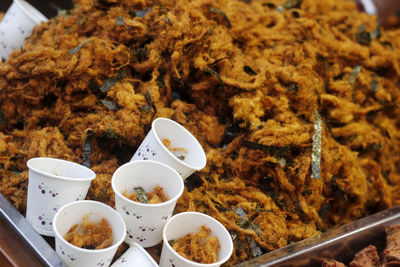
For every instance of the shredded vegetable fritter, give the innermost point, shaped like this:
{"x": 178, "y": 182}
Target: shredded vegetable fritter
{"x": 251, "y": 79}
{"x": 199, "y": 247}
{"x": 90, "y": 235}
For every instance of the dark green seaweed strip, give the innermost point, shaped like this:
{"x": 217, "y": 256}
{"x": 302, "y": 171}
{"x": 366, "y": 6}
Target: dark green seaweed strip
{"x": 109, "y": 105}
{"x": 316, "y": 147}
{"x": 222, "y": 14}
{"x": 141, "y": 194}
{"x": 354, "y": 74}
{"x": 121, "y": 74}
{"x": 276, "y": 151}
{"x": 87, "y": 149}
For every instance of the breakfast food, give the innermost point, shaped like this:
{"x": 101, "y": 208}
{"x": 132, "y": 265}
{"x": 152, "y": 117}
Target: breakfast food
{"x": 199, "y": 247}
{"x": 140, "y": 195}
{"x": 296, "y": 103}
{"x": 90, "y": 235}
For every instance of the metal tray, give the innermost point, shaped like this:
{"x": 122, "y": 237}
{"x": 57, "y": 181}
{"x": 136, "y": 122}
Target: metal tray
{"x": 33, "y": 240}
{"x": 340, "y": 243}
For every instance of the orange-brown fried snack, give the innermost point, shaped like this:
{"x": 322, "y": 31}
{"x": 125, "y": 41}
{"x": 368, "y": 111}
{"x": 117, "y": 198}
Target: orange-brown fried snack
{"x": 246, "y": 78}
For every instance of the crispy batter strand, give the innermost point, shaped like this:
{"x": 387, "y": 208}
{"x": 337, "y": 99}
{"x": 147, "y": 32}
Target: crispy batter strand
{"x": 246, "y": 78}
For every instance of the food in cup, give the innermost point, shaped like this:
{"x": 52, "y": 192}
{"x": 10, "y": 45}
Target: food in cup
{"x": 93, "y": 211}
{"x": 52, "y": 184}
{"x": 169, "y": 142}
{"x": 249, "y": 161}
{"x": 145, "y": 222}
{"x": 140, "y": 195}
{"x": 181, "y": 150}
{"x": 90, "y": 235}
{"x": 199, "y": 247}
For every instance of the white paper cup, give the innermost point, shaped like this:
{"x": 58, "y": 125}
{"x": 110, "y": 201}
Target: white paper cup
{"x": 53, "y": 183}
{"x": 152, "y": 147}
{"x": 189, "y": 222}
{"x": 17, "y": 25}
{"x": 135, "y": 256}
{"x": 144, "y": 222}
{"x": 73, "y": 213}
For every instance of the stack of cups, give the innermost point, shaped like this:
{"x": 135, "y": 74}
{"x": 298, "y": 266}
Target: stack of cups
{"x": 17, "y": 24}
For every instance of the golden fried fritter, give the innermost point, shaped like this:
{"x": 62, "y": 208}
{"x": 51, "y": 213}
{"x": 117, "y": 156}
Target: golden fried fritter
{"x": 248, "y": 78}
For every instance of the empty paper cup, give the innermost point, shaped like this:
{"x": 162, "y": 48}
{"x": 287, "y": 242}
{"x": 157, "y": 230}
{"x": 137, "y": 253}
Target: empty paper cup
{"x": 53, "y": 183}
{"x": 144, "y": 222}
{"x": 190, "y": 222}
{"x": 17, "y": 25}
{"x": 184, "y": 153}
{"x": 73, "y": 213}
{"x": 135, "y": 256}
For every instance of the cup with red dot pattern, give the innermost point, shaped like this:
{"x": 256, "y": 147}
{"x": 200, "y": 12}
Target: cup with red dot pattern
{"x": 145, "y": 221}
{"x": 52, "y": 184}
{"x": 16, "y": 25}
{"x": 170, "y": 143}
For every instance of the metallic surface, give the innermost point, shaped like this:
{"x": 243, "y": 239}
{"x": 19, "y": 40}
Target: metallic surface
{"x": 34, "y": 241}
{"x": 340, "y": 244}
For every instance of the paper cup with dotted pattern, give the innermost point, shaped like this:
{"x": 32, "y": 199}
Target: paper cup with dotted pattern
{"x": 73, "y": 213}
{"x": 135, "y": 256}
{"x": 190, "y": 222}
{"x": 144, "y": 222}
{"x": 184, "y": 154}
{"x": 52, "y": 184}
{"x": 16, "y": 25}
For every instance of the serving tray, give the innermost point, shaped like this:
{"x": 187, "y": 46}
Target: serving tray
{"x": 340, "y": 243}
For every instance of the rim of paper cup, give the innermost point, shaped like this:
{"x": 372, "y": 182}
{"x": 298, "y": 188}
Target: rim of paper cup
{"x": 191, "y": 213}
{"x": 144, "y": 253}
{"x": 170, "y": 153}
{"x": 60, "y": 177}
{"x": 31, "y": 11}
{"x": 135, "y": 162}
{"x": 85, "y": 250}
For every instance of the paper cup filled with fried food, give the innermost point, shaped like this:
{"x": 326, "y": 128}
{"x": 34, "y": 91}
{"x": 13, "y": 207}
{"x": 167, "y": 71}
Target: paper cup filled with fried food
{"x": 52, "y": 184}
{"x": 88, "y": 233}
{"x": 146, "y": 193}
{"x": 17, "y": 25}
{"x": 195, "y": 239}
{"x": 170, "y": 143}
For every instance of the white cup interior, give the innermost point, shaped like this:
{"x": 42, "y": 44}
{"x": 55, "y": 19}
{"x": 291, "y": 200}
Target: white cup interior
{"x": 73, "y": 213}
{"x": 189, "y": 222}
{"x": 31, "y": 12}
{"x": 62, "y": 169}
{"x": 165, "y": 128}
{"x": 148, "y": 174}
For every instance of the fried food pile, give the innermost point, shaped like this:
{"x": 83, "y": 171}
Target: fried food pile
{"x": 90, "y": 235}
{"x": 139, "y": 195}
{"x": 296, "y": 104}
{"x": 199, "y": 247}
